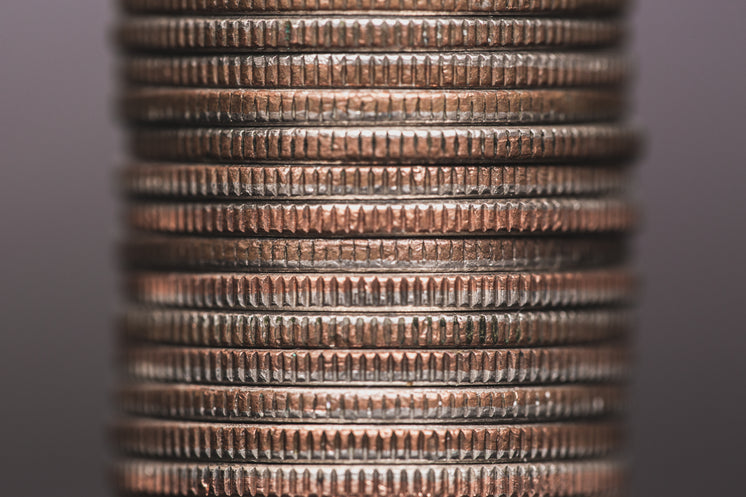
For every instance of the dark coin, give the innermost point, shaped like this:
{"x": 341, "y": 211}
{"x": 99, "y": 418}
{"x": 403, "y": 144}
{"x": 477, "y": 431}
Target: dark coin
{"x": 289, "y": 443}
{"x": 391, "y": 254}
{"x": 376, "y": 367}
{"x": 450, "y": 7}
{"x": 385, "y": 291}
{"x": 404, "y": 330}
{"x": 476, "y": 217}
{"x": 363, "y": 33}
{"x": 419, "y": 71}
{"x": 367, "y": 404}
{"x": 247, "y": 107}
{"x": 340, "y": 181}
{"x": 417, "y": 144}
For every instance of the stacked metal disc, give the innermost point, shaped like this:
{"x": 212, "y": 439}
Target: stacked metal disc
{"x": 375, "y": 248}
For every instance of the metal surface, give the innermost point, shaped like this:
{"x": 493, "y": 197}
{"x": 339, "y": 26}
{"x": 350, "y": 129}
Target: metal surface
{"x": 375, "y": 248}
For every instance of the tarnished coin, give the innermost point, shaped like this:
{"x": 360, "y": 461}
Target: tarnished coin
{"x": 555, "y": 7}
{"x": 373, "y": 367}
{"x": 384, "y": 291}
{"x": 390, "y": 254}
{"x": 340, "y": 181}
{"x": 447, "y": 217}
{"x": 419, "y": 71}
{"x": 248, "y": 107}
{"x": 287, "y": 443}
{"x": 418, "y": 144}
{"x": 363, "y": 33}
{"x": 537, "y": 479}
{"x": 369, "y": 404}
{"x": 395, "y": 331}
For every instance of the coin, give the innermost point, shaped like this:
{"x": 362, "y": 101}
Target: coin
{"x": 367, "y": 404}
{"x": 430, "y": 144}
{"x": 477, "y": 217}
{"x": 340, "y": 181}
{"x": 403, "y": 330}
{"x": 555, "y": 7}
{"x": 375, "y": 367}
{"x": 247, "y": 107}
{"x": 396, "y": 70}
{"x": 389, "y": 254}
{"x": 385, "y": 291}
{"x": 538, "y": 479}
{"x": 372, "y": 443}
{"x": 363, "y": 33}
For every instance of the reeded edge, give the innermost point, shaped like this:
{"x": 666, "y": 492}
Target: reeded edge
{"x": 371, "y": 405}
{"x": 452, "y": 7}
{"x": 399, "y": 443}
{"x": 339, "y": 182}
{"x": 515, "y": 366}
{"x": 374, "y": 330}
{"x": 528, "y": 480}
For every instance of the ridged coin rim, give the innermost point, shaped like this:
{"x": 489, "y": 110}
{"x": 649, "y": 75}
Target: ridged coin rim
{"x": 370, "y": 404}
{"x": 315, "y": 291}
{"x": 239, "y": 107}
{"x": 363, "y": 33}
{"x": 178, "y": 440}
{"x": 433, "y": 144}
{"x": 383, "y": 254}
{"x": 450, "y": 7}
{"x": 404, "y": 218}
{"x": 370, "y": 331}
{"x": 375, "y": 367}
{"x": 375, "y": 181}
{"x": 538, "y": 479}
{"x": 442, "y": 70}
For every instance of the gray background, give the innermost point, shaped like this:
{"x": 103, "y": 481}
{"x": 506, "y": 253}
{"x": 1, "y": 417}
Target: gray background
{"x": 59, "y": 218}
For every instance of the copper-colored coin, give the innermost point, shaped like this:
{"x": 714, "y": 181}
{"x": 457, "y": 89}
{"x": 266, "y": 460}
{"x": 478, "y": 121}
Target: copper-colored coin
{"x": 385, "y": 291}
{"x": 417, "y": 144}
{"x": 373, "y": 367}
{"x": 340, "y": 181}
{"x": 369, "y": 404}
{"x": 248, "y": 107}
{"x": 538, "y": 479}
{"x": 482, "y": 217}
{"x": 363, "y": 33}
{"x": 392, "y": 254}
{"x": 443, "y": 70}
{"x": 395, "y": 331}
{"x": 374, "y": 443}
{"x": 366, "y": 6}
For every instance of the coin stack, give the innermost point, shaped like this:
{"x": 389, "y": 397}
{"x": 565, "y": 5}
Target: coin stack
{"x": 375, "y": 248}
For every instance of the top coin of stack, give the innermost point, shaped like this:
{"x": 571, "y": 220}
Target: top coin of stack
{"x": 385, "y": 235}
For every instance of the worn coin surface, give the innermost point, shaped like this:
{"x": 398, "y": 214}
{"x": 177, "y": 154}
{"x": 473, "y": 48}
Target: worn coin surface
{"x": 387, "y": 254}
{"x": 371, "y": 404}
{"x": 499, "y": 70}
{"x": 418, "y": 144}
{"x": 447, "y": 217}
{"x": 178, "y": 440}
{"x": 363, "y": 33}
{"x": 385, "y": 367}
{"x": 450, "y": 7}
{"x": 377, "y": 181}
{"x": 374, "y": 330}
{"x": 537, "y": 479}
{"x": 249, "y": 107}
{"x": 384, "y": 291}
